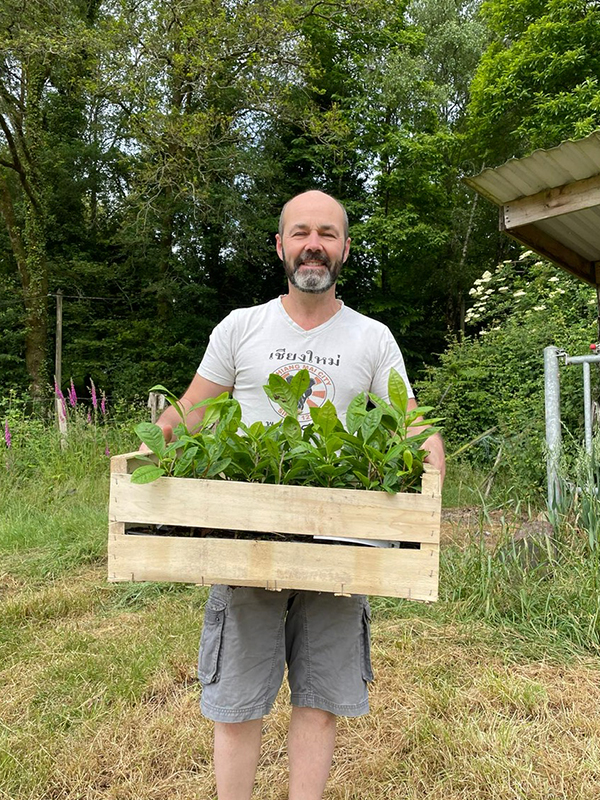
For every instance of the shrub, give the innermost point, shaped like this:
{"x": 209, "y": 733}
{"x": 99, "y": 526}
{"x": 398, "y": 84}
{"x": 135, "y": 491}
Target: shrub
{"x": 493, "y": 380}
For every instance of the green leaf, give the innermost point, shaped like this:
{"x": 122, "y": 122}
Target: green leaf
{"x": 397, "y": 392}
{"x": 332, "y": 445}
{"x": 362, "y": 478}
{"x": 325, "y": 418}
{"x": 292, "y": 430}
{"x": 352, "y": 441}
{"x": 152, "y": 436}
{"x": 231, "y": 417}
{"x": 299, "y": 384}
{"x": 210, "y": 401}
{"x": 217, "y": 467}
{"x": 173, "y": 399}
{"x": 184, "y": 466}
{"x": 356, "y": 412}
{"x": 371, "y": 422}
{"x": 146, "y": 474}
{"x": 256, "y": 430}
{"x": 376, "y": 456}
{"x": 282, "y": 392}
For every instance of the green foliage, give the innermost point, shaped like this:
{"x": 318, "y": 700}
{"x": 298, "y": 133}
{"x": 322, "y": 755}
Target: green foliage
{"x": 167, "y": 137}
{"x": 54, "y": 491}
{"x": 537, "y": 83}
{"x": 494, "y": 378}
{"x": 536, "y": 575}
{"x": 376, "y": 450}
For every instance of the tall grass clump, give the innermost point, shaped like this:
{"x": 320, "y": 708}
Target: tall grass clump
{"x": 54, "y": 486}
{"x": 541, "y": 574}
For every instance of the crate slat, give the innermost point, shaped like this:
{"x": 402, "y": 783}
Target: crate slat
{"x": 343, "y": 569}
{"x": 260, "y": 507}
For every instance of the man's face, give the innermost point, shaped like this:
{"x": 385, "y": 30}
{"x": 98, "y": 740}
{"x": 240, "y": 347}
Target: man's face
{"x": 313, "y": 245}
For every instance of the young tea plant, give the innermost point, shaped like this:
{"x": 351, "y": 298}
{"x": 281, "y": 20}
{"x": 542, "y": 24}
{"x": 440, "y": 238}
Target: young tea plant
{"x": 379, "y": 448}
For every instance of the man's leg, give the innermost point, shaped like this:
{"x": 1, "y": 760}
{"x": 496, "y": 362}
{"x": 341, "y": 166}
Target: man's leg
{"x": 237, "y": 748}
{"x": 311, "y": 741}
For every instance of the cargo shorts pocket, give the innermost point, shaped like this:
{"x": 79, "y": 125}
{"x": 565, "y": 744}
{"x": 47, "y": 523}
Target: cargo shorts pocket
{"x": 367, "y": 669}
{"x": 211, "y": 641}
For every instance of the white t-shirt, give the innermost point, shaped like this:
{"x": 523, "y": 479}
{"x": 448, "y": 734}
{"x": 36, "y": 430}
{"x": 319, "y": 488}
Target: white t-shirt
{"x": 346, "y": 355}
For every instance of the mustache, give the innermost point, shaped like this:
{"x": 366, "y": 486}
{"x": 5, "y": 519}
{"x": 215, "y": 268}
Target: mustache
{"x": 309, "y": 255}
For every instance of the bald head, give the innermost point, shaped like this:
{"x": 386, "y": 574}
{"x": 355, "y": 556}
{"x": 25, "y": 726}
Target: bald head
{"x": 314, "y": 199}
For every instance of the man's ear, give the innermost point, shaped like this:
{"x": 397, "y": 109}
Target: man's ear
{"x": 279, "y": 246}
{"x": 346, "y": 249}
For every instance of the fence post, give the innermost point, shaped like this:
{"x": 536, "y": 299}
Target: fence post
{"x": 553, "y": 432}
{"x": 156, "y": 404}
{"x": 587, "y": 407}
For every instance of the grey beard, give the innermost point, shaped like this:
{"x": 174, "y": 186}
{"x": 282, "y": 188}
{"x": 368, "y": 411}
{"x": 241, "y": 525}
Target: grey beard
{"x": 312, "y": 281}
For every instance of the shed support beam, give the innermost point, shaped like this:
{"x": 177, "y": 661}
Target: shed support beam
{"x": 549, "y": 203}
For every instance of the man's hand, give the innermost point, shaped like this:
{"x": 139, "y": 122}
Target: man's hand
{"x": 436, "y": 456}
{"x": 199, "y": 389}
{"x": 167, "y": 433}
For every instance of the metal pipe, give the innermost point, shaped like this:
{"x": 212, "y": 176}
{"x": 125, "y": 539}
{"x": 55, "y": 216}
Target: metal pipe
{"x": 553, "y": 432}
{"x": 582, "y": 359}
{"x": 587, "y": 406}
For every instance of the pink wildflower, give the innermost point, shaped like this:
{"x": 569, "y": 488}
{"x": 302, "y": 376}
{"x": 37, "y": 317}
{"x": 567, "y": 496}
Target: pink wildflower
{"x": 89, "y": 418}
{"x": 7, "y": 436}
{"x": 72, "y": 395}
{"x": 61, "y": 397}
{"x": 107, "y": 451}
{"x": 103, "y": 403}
{"x": 93, "y": 393}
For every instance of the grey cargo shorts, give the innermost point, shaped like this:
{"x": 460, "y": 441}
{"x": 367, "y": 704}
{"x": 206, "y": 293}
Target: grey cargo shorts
{"x": 250, "y": 634}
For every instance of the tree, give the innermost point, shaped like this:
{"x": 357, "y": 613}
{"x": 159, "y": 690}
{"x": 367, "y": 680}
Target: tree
{"x": 41, "y": 58}
{"x": 537, "y": 83}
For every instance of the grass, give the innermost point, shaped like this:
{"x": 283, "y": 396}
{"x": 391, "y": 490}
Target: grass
{"x": 490, "y": 693}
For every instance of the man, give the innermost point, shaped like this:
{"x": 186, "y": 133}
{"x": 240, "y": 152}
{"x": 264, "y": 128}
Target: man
{"x": 249, "y": 634}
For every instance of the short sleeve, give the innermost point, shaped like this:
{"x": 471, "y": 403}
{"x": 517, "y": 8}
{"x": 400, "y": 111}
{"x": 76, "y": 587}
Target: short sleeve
{"x": 390, "y": 357}
{"x": 218, "y": 363}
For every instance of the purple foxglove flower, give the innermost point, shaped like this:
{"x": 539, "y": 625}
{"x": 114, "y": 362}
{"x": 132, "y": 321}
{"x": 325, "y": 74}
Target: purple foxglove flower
{"x": 7, "y": 436}
{"x": 61, "y": 397}
{"x": 89, "y": 417}
{"x": 107, "y": 451}
{"x": 93, "y": 393}
{"x": 72, "y": 395}
{"x": 103, "y": 403}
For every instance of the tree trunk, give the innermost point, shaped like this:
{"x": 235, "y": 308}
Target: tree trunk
{"x": 36, "y": 304}
{"x": 29, "y": 251}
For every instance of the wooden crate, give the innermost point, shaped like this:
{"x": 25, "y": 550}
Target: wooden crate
{"x": 408, "y": 570}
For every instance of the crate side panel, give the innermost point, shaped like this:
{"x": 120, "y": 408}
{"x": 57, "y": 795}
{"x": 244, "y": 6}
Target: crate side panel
{"x": 291, "y": 509}
{"x": 348, "y": 569}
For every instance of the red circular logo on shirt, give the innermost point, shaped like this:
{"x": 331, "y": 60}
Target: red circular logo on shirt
{"x": 320, "y": 389}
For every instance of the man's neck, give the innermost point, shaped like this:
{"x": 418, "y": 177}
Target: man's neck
{"x": 310, "y": 310}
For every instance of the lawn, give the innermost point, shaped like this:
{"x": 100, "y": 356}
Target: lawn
{"x": 493, "y": 692}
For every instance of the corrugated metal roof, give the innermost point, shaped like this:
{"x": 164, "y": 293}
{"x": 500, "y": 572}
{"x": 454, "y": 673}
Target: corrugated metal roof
{"x": 558, "y": 229}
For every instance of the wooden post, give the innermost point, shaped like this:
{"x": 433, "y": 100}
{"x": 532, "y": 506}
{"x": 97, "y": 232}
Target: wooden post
{"x": 156, "y": 404}
{"x": 58, "y": 353}
{"x": 60, "y": 412}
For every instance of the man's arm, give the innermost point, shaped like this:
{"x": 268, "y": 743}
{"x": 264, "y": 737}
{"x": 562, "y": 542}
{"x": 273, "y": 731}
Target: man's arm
{"x": 199, "y": 389}
{"x": 434, "y": 445}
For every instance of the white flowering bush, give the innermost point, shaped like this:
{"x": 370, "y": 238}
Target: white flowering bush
{"x": 523, "y": 288}
{"x": 494, "y": 377}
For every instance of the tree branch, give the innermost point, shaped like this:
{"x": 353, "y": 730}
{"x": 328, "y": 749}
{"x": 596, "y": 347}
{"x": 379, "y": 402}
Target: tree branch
{"x": 18, "y": 165}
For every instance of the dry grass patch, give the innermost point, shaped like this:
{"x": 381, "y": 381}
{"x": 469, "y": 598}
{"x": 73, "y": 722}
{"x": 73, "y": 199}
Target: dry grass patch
{"x": 448, "y": 724}
{"x": 451, "y": 718}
